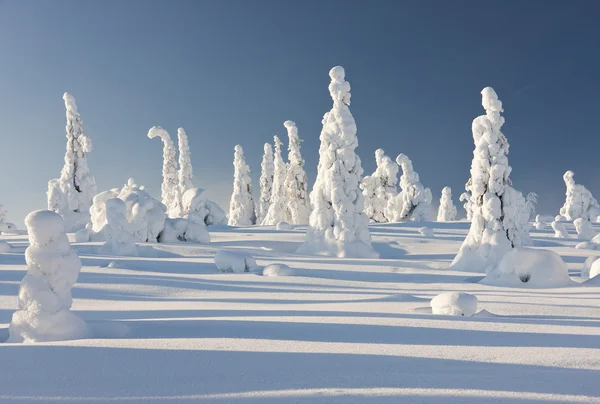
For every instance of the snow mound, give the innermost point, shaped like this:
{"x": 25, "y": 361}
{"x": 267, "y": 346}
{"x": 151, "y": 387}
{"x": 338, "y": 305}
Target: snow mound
{"x": 4, "y": 247}
{"x": 279, "y": 270}
{"x": 284, "y": 226}
{"x": 426, "y": 232}
{"x": 454, "y": 304}
{"x": 560, "y": 230}
{"x": 595, "y": 269}
{"x": 584, "y": 229}
{"x": 236, "y": 262}
{"x": 198, "y": 208}
{"x": 593, "y": 244}
{"x": 527, "y": 267}
{"x": 177, "y": 230}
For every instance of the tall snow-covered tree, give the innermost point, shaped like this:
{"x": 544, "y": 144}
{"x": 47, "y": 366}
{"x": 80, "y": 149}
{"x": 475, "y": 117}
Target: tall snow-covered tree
{"x": 266, "y": 183}
{"x": 530, "y": 202}
{"x": 338, "y": 224}
{"x": 241, "y": 206}
{"x": 466, "y": 198}
{"x": 414, "y": 201}
{"x": 499, "y": 221}
{"x": 278, "y": 208}
{"x": 186, "y": 173}
{"x": 380, "y": 187}
{"x": 296, "y": 182}
{"x": 579, "y": 201}
{"x": 71, "y": 195}
{"x": 447, "y": 210}
{"x": 170, "y": 191}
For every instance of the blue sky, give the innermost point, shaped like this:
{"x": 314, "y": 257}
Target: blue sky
{"x": 233, "y": 71}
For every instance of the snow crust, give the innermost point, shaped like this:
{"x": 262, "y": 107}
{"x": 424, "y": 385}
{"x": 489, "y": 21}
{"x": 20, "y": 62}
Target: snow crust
{"x": 296, "y": 182}
{"x": 235, "y": 262}
{"x": 379, "y": 187}
{"x": 241, "y": 206}
{"x": 454, "y": 304}
{"x": 446, "y": 210}
{"x": 45, "y": 293}
{"x": 414, "y": 201}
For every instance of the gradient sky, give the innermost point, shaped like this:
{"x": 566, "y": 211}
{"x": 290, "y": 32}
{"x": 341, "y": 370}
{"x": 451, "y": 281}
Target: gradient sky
{"x": 233, "y": 71}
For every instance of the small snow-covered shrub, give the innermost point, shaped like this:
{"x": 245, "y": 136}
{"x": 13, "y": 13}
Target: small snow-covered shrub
{"x": 587, "y": 265}
{"x": 447, "y": 210}
{"x": 4, "y": 247}
{"x": 278, "y": 270}
{"x": 560, "y": 230}
{"x": 414, "y": 201}
{"x": 45, "y": 293}
{"x": 120, "y": 240}
{"x": 379, "y": 187}
{"x": 593, "y": 244}
{"x": 186, "y": 230}
{"x": 198, "y": 208}
{"x": 284, "y": 226}
{"x": 579, "y": 201}
{"x": 426, "y": 232}
{"x": 454, "y": 304}
{"x": 584, "y": 229}
{"x": 540, "y": 224}
{"x": 527, "y": 267}
{"x": 236, "y": 262}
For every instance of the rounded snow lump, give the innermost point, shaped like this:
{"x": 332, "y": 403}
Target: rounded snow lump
{"x": 284, "y": 226}
{"x": 4, "y": 247}
{"x": 426, "y": 232}
{"x": 278, "y": 270}
{"x": 237, "y": 262}
{"x": 454, "y": 304}
{"x": 595, "y": 269}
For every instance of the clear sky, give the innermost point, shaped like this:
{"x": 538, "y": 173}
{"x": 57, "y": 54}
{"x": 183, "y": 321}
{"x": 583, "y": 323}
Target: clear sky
{"x": 233, "y": 71}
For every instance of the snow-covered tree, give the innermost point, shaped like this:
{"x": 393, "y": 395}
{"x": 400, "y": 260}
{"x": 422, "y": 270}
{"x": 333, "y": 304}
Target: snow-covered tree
{"x": 170, "y": 191}
{"x": 584, "y": 229}
{"x": 414, "y": 201}
{"x": 560, "y": 230}
{"x": 266, "y": 183}
{"x": 121, "y": 240}
{"x": 186, "y": 174}
{"x": 447, "y": 210}
{"x": 198, "y": 208}
{"x": 338, "y": 224}
{"x": 45, "y": 294}
{"x": 465, "y": 197}
{"x": 579, "y": 202}
{"x": 5, "y": 226}
{"x": 241, "y": 206}
{"x": 380, "y": 187}
{"x": 277, "y": 211}
{"x": 530, "y": 202}
{"x": 499, "y": 221}
{"x": 71, "y": 195}
{"x": 296, "y": 182}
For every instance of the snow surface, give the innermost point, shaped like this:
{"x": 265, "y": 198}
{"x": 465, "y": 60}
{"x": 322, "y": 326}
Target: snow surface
{"x": 454, "y": 304}
{"x": 171, "y": 328}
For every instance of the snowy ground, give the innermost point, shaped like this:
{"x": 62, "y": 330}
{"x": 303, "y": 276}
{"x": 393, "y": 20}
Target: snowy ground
{"x": 173, "y": 329}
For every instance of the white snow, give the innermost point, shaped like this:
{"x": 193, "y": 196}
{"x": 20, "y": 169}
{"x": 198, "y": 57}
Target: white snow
{"x": 527, "y": 267}
{"x": 426, "y": 232}
{"x": 454, "y": 304}
{"x": 170, "y": 189}
{"x": 446, "y": 210}
{"x": 236, "y": 262}
{"x": 338, "y": 225}
{"x": 71, "y": 194}
{"x": 560, "y": 230}
{"x": 266, "y": 183}
{"x": 380, "y": 187}
{"x": 279, "y": 270}
{"x": 414, "y": 201}
{"x": 540, "y": 223}
{"x": 198, "y": 208}
{"x": 120, "y": 240}
{"x": 500, "y": 217}
{"x": 594, "y": 269}
{"x": 278, "y": 207}
{"x": 296, "y": 182}
{"x": 579, "y": 202}
{"x": 45, "y": 293}
{"x": 284, "y": 226}
{"x": 4, "y": 247}
{"x": 584, "y": 229}
{"x": 587, "y": 265}
{"x": 187, "y": 230}
{"x": 241, "y": 206}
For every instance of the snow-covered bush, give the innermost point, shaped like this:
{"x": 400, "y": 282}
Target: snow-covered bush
{"x": 560, "y": 230}
{"x": 278, "y": 209}
{"x": 45, "y": 294}
{"x": 120, "y": 240}
{"x": 198, "y": 208}
{"x": 71, "y": 195}
{"x": 186, "y": 172}
{"x": 279, "y": 270}
{"x": 296, "y": 182}
{"x": 499, "y": 222}
{"x": 579, "y": 201}
{"x": 170, "y": 190}
{"x": 5, "y": 226}
{"x": 426, "y": 232}
{"x": 527, "y": 267}
{"x": 337, "y": 224}
{"x": 587, "y": 265}
{"x": 447, "y": 210}
{"x": 4, "y": 247}
{"x": 266, "y": 183}
{"x": 539, "y": 223}
{"x": 186, "y": 230}
{"x": 236, "y": 262}
{"x": 284, "y": 226}
{"x": 241, "y": 206}
{"x": 454, "y": 304}
{"x": 380, "y": 187}
{"x": 414, "y": 201}
{"x": 593, "y": 244}
{"x": 584, "y": 229}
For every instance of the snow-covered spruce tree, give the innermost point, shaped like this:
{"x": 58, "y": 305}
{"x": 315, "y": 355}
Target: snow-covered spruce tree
{"x": 71, "y": 195}
{"x": 5, "y": 226}
{"x": 530, "y": 202}
{"x": 120, "y": 240}
{"x": 241, "y": 206}
{"x": 447, "y": 210}
{"x": 338, "y": 224}
{"x": 266, "y": 183}
{"x": 499, "y": 221}
{"x": 466, "y": 198}
{"x": 186, "y": 174}
{"x": 579, "y": 201}
{"x": 170, "y": 191}
{"x": 414, "y": 201}
{"x": 279, "y": 203}
{"x": 45, "y": 294}
{"x": 380, "y": 187}
{"x": 296, "y": 182}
